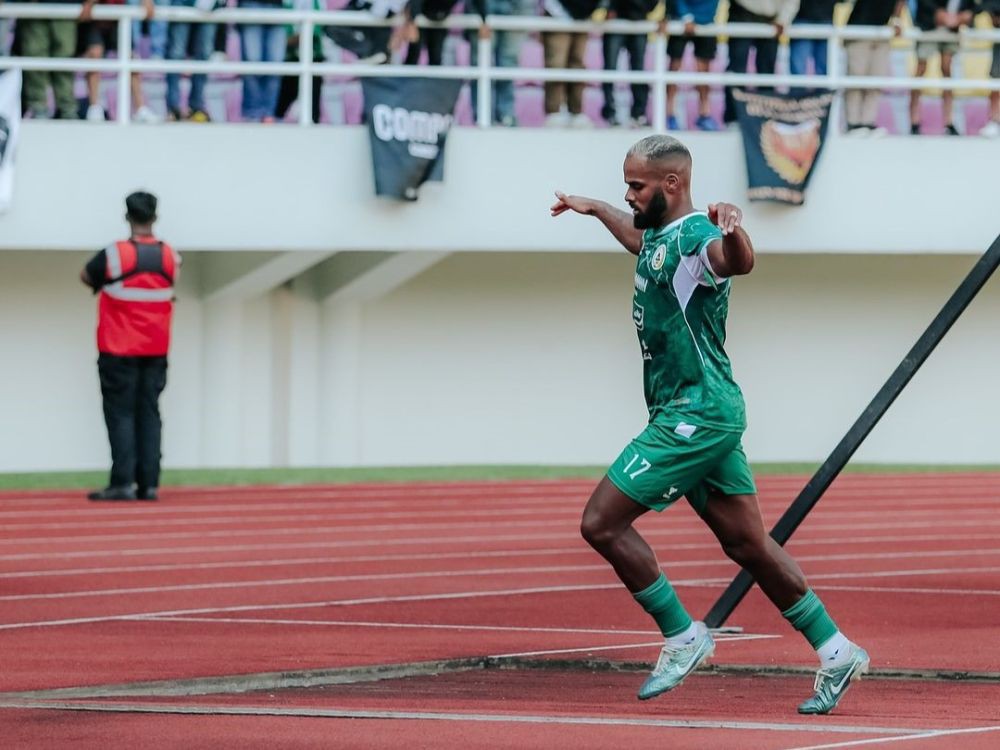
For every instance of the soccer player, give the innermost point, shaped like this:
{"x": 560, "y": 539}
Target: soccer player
{"x": 691, "y": 445}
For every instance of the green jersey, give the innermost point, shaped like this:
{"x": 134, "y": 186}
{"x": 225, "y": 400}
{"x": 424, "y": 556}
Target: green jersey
{"x": 679, "y": 309}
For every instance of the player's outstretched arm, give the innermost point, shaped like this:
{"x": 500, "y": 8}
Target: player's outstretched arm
{"x": 733, "y": 254}
{"x": 618, "y": 222}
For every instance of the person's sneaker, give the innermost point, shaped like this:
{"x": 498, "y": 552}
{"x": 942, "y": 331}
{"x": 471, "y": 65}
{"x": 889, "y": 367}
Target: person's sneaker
{"x": 990, "y": 129}
{"x": 950, "y": 129}
{"x": 147, "y": 493}
{"x": 672, "y": 123}
{"x": 675, "y": 664}
{"x": 557, "y": 120}
{"x": 859, "y": 131}
{"x": 146, "y": 116}
{"x": 832, "y": 682}
{"x": 95, "y": 113}
{"x": 639, "y": 121}
{"x": 878, "y": 132}
{"x": 199, "y": 115}
{"x": 707, "y": 123}
{"x": 507, "y": 121}
{"x": 580, "y": 121}
{"x": 915, "y": 128}
{"x": 112, "y": 493}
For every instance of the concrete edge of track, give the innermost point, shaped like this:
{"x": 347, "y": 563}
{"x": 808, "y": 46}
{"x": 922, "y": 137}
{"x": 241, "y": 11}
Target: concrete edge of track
{"x": 244, "y": 683}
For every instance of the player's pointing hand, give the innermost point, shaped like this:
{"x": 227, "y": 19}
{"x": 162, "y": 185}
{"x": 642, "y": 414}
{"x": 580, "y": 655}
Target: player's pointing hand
{"x": 571, "y": 203}
{"x": 725, "y": 216}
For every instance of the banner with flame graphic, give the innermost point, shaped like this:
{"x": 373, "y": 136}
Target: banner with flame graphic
{"x": 782, "y": 139}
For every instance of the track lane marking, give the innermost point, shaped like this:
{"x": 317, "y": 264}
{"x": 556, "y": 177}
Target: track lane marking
{"x": 537, "y": 552}
{"x": 451, "y": 716}
{"x": 929, "y": 734}
{"x": 531, "y": 570}
{"x": 804, "y": 541}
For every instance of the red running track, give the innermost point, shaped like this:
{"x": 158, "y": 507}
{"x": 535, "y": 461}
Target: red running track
{"x": 219, "y": 582}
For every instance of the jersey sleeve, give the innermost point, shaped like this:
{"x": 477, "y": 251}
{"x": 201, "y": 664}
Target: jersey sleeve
{"x": 696, "y": 235}
{"x": 97, "y": 269}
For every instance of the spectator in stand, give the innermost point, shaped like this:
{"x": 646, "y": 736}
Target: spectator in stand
{"x": 947, "y": 15}
{"x": 261, "y": 43}
{"x": 97, "y": 39}
{"x": 801, "y": 51}
{"x": 200, "y": 39}
{"x": 289, "y": 91}
{"x": 777, "y": 13}
{"x": 635, "y": 46}
{"x": 373, "y": 45}
{"x": 693, "y": 13}
{"x": 433, "y": 39}
{"x": 869, "y": 57}
{"x": 566, "y": 49}
{"x": 155, "y": 29}
{"x": 39, "y": 37}
{"x": 992, "y": 128}
{"x": 506, "y": 52}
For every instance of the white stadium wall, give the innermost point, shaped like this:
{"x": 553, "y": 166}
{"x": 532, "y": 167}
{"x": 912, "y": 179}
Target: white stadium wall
{"x": 317, "y": 325}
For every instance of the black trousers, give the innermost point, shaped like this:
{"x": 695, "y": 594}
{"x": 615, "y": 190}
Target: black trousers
{"x": 131, "y": 388}
{"x": 635, "y": 46}
{"x": 739, "y": 52}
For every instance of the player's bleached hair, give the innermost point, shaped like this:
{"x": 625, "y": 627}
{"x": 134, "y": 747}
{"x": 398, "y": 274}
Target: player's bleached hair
{"x": 659, "y": 148}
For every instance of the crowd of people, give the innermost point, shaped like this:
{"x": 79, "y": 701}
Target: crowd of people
{"x": 268, "y": 98}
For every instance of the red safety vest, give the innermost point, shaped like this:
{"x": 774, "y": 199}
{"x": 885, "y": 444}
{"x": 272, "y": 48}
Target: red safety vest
{"x": 136, "y": 302}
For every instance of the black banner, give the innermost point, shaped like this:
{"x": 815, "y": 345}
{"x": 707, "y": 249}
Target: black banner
{"x": 782, "y": 139}
{"x": 408, "y": 122}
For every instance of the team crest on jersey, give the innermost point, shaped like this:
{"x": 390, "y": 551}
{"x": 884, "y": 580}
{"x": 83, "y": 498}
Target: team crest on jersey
{"x": 638, "y": 315}
{"x": 659, "y": 255}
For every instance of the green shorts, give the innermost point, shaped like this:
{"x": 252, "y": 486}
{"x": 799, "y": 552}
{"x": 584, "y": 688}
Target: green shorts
{"x": 669, "y": 460}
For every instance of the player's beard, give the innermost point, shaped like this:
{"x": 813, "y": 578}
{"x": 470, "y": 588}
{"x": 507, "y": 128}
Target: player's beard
{"x": 654, "y": 214}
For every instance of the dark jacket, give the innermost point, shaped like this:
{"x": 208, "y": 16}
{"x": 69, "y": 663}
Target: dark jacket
{"x": 815, "y": 11}
{"x": 871, "y": 12}
{"x": 632, "y": 10}
{"x": 927, "y": 9}
{"x": 438, "y": 10}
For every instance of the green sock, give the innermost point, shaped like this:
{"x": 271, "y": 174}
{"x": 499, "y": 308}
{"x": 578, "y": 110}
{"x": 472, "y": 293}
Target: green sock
{"x": 809, "y": 617}
{"x": 662, "y": 603}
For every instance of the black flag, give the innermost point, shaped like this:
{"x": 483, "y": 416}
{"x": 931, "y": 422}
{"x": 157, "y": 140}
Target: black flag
{"x": 408, "y": 122}
{"x": 782, "y": 139}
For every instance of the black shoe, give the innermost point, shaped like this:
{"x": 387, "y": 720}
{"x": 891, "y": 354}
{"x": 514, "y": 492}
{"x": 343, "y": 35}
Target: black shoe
{"x": 915, "y": 128}
{"x": 147, "y": 493}
{"x": 112, "y": 493}
{"x": 950, "y": 129}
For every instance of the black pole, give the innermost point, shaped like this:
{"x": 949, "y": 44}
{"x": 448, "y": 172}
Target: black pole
{"x": 836, "y": 461}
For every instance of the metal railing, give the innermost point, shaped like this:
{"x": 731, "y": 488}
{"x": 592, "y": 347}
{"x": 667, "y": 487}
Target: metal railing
{"x": 485, "y": 73}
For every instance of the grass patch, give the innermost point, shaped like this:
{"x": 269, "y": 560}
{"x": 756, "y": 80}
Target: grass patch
{"x": 208, "y": 477}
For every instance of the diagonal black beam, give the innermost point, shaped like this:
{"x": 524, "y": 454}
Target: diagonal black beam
{"x": 836, "y": 461}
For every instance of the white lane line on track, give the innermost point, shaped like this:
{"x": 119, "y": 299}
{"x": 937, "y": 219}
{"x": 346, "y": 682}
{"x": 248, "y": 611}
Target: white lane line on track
{"x": 944, "y": 523}
{"x": 541, "y": 552}
{"x": 929, "y": 734}
{"x": 771, "y": 505}
{"x": 438, "y": 626}
{"x": 403, "y": 625}
{"x": 652, "y": 644}
{"x": 410, "y": 575}
{"x": 334, "y": 713}
{"x": 696, "y": 582}
{"x": 548, "y": 509}
{"x": 311, "y": 605}
{"x": 908, "y": 590}
{"x": 804, "y": 540}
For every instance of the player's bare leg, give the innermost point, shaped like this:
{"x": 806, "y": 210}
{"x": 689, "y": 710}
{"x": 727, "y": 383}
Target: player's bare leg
{"x": 737, "y": 524}
{"x": 607, "y": 527}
